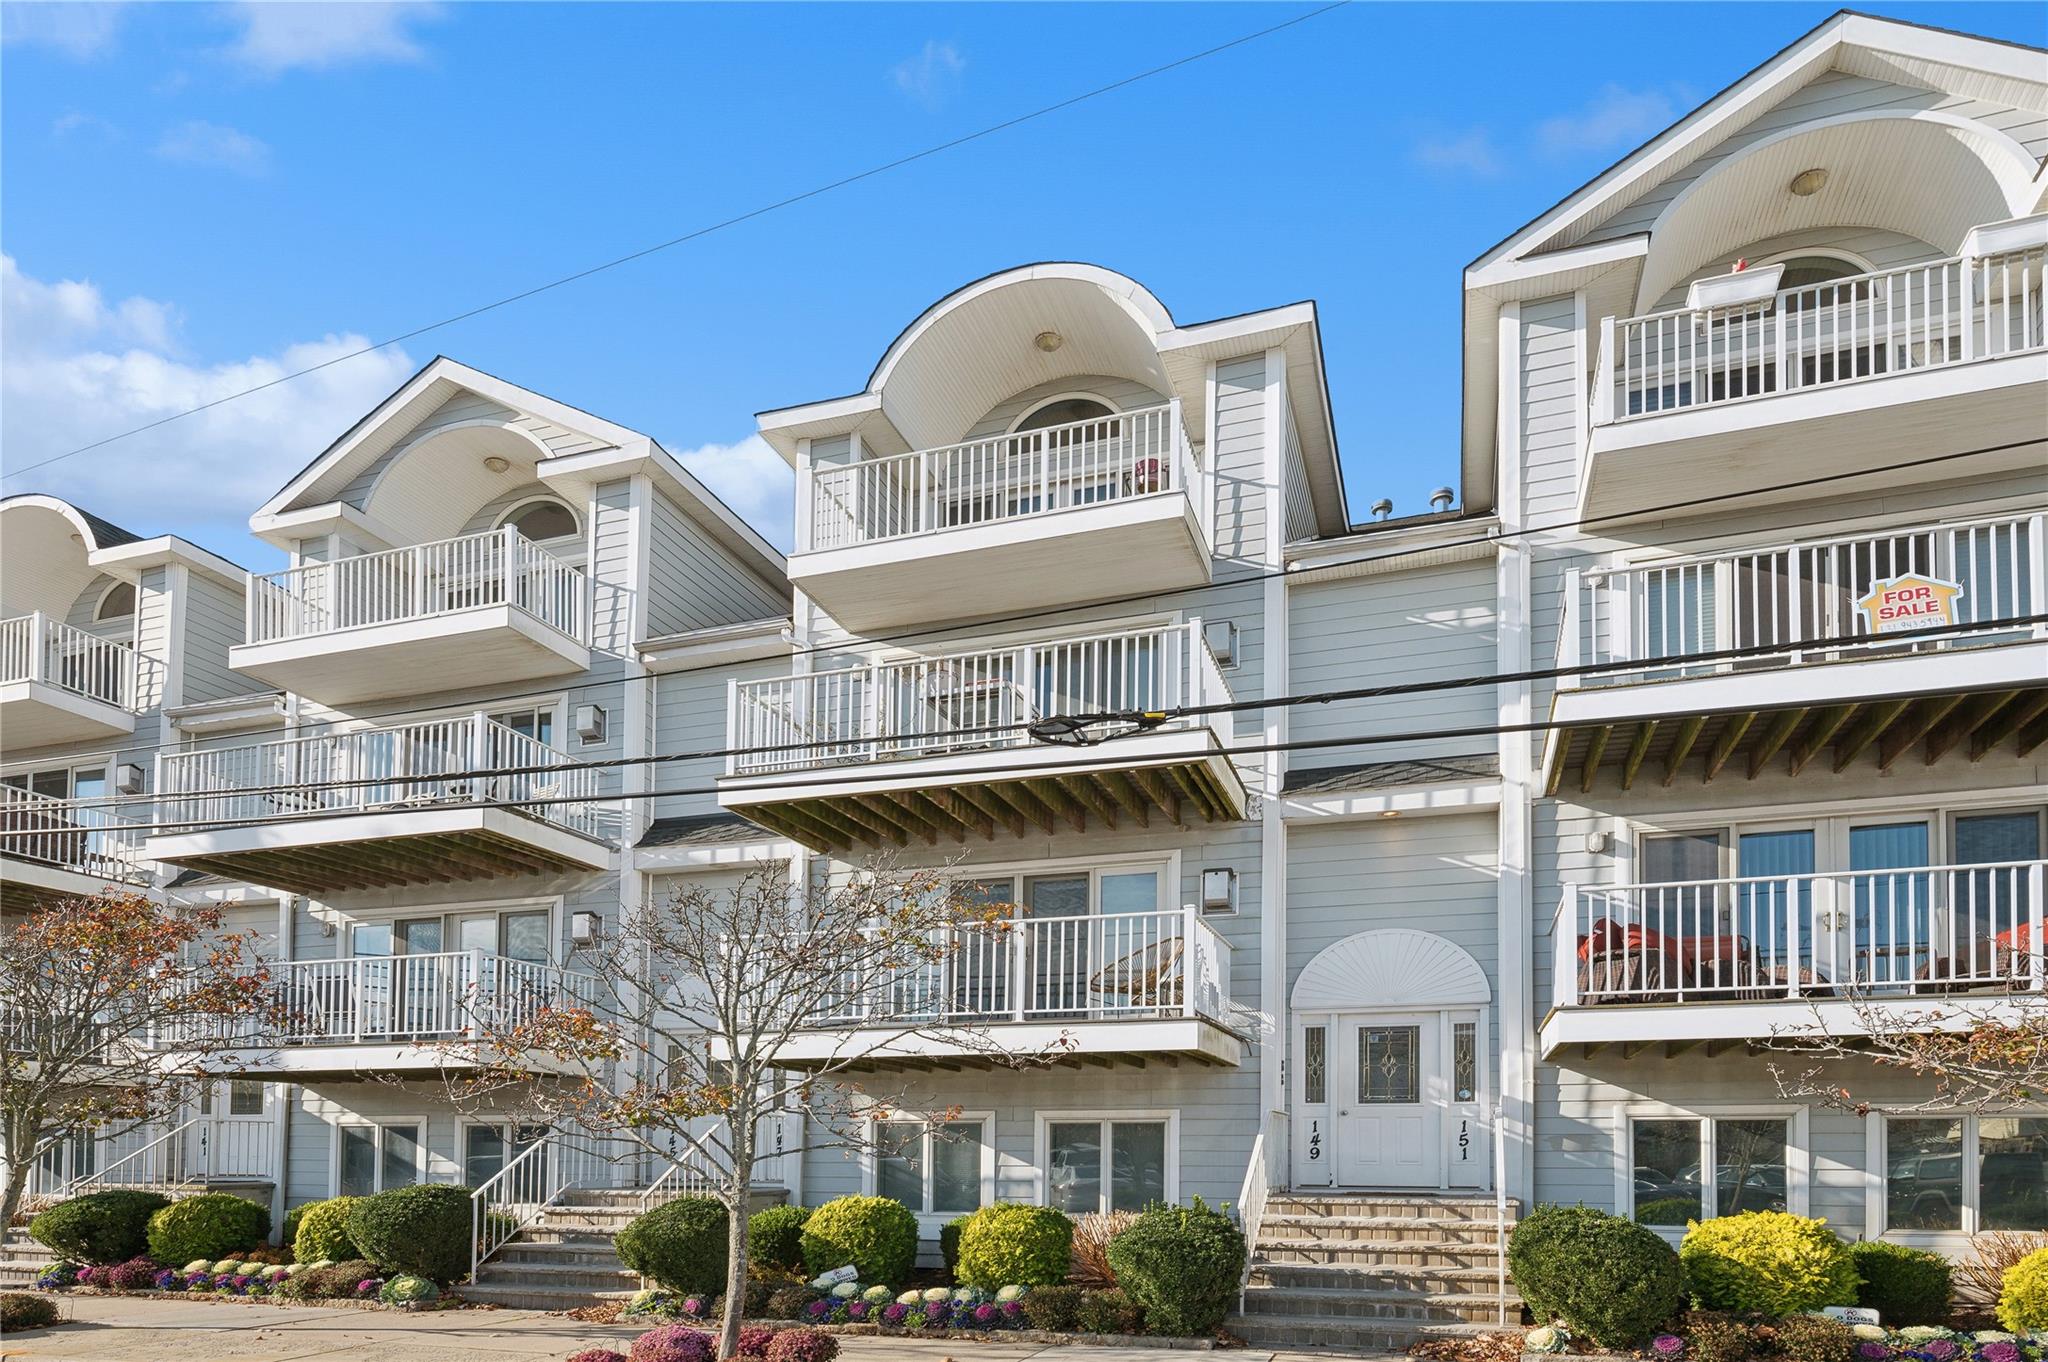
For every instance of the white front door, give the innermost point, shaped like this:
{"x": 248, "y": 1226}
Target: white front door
{"x": 1389, "y": 1100}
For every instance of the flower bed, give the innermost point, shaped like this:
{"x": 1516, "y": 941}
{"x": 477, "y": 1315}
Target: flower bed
{"x": 1770, "y": 1340}
{"x": 226, "y": 1280}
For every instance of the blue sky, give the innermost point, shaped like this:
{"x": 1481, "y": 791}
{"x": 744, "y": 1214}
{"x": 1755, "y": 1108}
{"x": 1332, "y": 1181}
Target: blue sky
{"x": 198, "y": 196}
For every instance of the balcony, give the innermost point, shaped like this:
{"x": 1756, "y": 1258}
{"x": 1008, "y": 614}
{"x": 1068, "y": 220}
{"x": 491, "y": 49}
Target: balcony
{"x": 1746, "y": 959}
{"x": 937, "y": 747}
{"x": 389, "y": 1014}
{"x": 1129, "y": 984}
{"x": 59, "y": 684}
{"x": 1806, "y": 673}
{"x": 1855, "y": 373}
{"x": 54, "y": 849}
{"x": 1114, "y": 506}
{"x": 438, "y": 802}
{"x": 481, "y": 609}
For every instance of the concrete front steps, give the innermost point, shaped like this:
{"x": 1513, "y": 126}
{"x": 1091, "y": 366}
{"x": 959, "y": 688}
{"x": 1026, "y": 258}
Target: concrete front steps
{"x": 1374, "y": 1271}
{"x": 21, "y": 1258}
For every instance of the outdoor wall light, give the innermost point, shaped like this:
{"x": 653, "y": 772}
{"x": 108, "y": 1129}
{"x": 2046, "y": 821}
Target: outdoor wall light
{"x": 590, "y": 723}
{"x": 1596, "y": 843}
{"x": 1048, "y": 341}
{"x": 128, "y": 778}
{"x": 583, "y": 928}
{"x": 496, "y": 463}
{"x": 1221, "y": 638}
{"x": 1807, "y": 183}
{"x": 1219, "y": 890}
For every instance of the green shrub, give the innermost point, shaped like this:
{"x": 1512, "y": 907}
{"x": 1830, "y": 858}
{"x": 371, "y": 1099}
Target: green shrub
{"x": 1183, "y": 1264}
{"x": 1054, "y": 1308}
{"x": 100, "y": 1227}
{"x": 681, "y": 1244}
{"x": 1810, "y": 1338}
{"x": 425, "y": 1230}
{"x": 1766, "y": 1262}
{"x": 1716, "y": 1338}
{"x": 294, "y": 1216}
{"x": 1904, "y": 1285}
{"x": 789, "y": 1302}
{"x": 2023, "y": 1299}
{"x": 1007, "y": 1244}
{"x": 338, "y": 1279}
{"x": 20, "y": 1311}
{"x": 949, "y": 1243}
{"x": 1607, "y": 1278}
{"x": 323, "y": 1230}
{"x": 878, "y": 1236}
{"x": 1670, "y": 1211}
{"x": 1108, "y": 1312}
{"x": 211, "y": 1225}
{"x": 775, "y": 1237}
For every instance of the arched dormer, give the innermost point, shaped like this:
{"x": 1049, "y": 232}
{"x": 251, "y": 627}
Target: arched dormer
{"x": 45, "y": 554}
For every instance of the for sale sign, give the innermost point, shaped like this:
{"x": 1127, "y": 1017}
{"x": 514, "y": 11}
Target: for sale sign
{"x": 1909, "y": 601}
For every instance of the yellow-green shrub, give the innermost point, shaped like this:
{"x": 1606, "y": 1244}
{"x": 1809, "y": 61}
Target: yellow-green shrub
{"x": 1767, "y": 1262}
{"x": 2023, "y": 1300}
{"x": 1008, "y": 1244}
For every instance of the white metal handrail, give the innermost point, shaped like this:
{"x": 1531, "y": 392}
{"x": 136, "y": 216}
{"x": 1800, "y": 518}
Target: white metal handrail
{"x": 1792, "y": 594}
{"x": 965, "y": 700}
{"x": 421, "y": 581}
{"x": 431, "y": 764}
{"x": 1004, "y": 477}
{"x": 1096, "y": 967}
{"x": 87, "y": 836}
{"x": 1842, "y": 330}
{"x": 1265, "y": 1170}
{"x": 1903, "y": 930}
{"x": 514, "y": 1197}
{"x": 160, "y": 1163}
{"x": 37, "y": 648}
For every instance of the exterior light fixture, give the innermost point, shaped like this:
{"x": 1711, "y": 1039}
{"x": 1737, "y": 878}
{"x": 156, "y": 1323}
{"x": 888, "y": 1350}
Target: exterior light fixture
{"x": 1048, "y": 341}
{"x": 496, "y": 463}
{"x": 590, "y": 723}
{"x": 128, "y": 778}
{"x": 583, "y": 928}
{"x": 1219, "y": 890}
{"x": 1390, "y": 813}
{"x": 1807, "y": 183}
{"x": 1220, "y": 637}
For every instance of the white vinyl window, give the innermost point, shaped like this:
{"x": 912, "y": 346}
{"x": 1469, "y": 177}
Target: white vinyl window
{"x": 375, "y": 1158}
{"x": 937, "y": 1168}
{"x": 1696, "y": 1167}
{"x": 1960, "y": 1174}
{"x": 1119, "y": 1162}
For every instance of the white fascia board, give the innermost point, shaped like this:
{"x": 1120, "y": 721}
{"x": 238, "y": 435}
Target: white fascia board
{"x": 782, "y": 427}
{"x": 656, "y": 860}
{"x": 748, "y": 642}
{"x": 1467, "y": 796}
{"x": 285, "y": 528}
{"x": 2007, "y": 60}
{"x": 1552, "y": 272}
{"x": 236, "y": 714}
{"x": 383, "y": 825}
{"x": 1253, "y": 330}
{"x": 127, "y": 559}
{"x": 1705, "y": 1019}
{"x": 581, "y": 472}
{"x": 1176, "y": 1035}
{"x": 1449, "y": 539}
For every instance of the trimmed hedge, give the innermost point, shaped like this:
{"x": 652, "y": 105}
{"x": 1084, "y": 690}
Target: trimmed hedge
{"x": 323, "y": 1231}
{"x": 1766, "y": 1262}
{"x": 99, "y": 1227}
{"x": 20, "y": 1311}
{"x": 211, "y": 1225}
{"x": 875, "y": 1234}
{"x": 1108, "y": 1312}
{"x": 1606, "y": 1277}
{"x": 683, "y": 1245}
{"x": 1007, "y": 1244}
{"x": 1904, "y": 1285}
{"x": 949, "y": 1243}
{"x": 424, "y": 1230}
{"x": 2023, "y": 1298}
{"x": 775, "y": 1237}
{"x": 1183, "y": 1264}
{"x": 1053, "y": 1308}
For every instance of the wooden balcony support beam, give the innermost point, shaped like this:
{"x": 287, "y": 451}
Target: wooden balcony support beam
{"x": 989, "y": 804}
{"x": 1589, "y": 765}
{"x": 1682, "y": 745}
{"x": 921, "y": 806}
{"x": 1942, "y": 738}
{"x": 2008, "y": 721}
{"x": 1774, "y": 738}
{"x": 1818, "y": 733}
{"x": 1196, "y": 792}
{"x": 888, "y": 811}
{"x": 876, "y": 826}
{"x": 1875, "y": 720}
{"x": 2030, "y": 737}
{"x": 1060, "y": 802}
{"x": 1012, "y": 794}
{"x": 1168, "y": 801}
{"x": 1914, "y": 726}
{"x": 825, "y": 812}
{"x": 1638, "y": 748}
{"x": 964, "y": 811}
{"x": 1128, "y": 797}
{"x": 1730, "y": 738}
{"x": 1086, "y": 789}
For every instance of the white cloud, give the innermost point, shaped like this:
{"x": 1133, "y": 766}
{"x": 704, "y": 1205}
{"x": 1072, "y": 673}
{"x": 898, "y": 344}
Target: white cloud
{"x": 80, "y": 31}
{"x": 1616, "y": 118}
{"x": 76, "y": 367}
{"x": 279, "y": 36}
{"x": 753, "y": 480}
{"x": 79, "y": 124}
{"x": 932, "y": 76}
{"x": 1471, "y": 153}
{"x": 200, "y": 143}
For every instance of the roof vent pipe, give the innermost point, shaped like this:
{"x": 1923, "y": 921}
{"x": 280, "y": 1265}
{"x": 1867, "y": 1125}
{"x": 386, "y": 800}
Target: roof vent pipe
{"x": 1440, "y": 500}
{"x": 1382, "y": 508}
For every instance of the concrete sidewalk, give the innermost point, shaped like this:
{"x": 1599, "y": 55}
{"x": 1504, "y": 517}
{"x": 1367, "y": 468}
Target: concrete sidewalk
{"x": 117, "y": 1329}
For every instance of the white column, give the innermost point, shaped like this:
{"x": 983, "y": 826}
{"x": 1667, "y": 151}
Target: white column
{"x": 1512, "y": 705}
{"x": 1273, "y": 681}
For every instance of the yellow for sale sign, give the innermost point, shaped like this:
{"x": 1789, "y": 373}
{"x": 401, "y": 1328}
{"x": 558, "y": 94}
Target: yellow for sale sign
{"x": 1909, "y": 601}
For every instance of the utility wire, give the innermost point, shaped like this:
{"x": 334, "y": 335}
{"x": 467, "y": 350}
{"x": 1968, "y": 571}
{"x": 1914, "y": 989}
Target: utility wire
{"x": 855, "y": 645}
{"x": 702, "y": 232}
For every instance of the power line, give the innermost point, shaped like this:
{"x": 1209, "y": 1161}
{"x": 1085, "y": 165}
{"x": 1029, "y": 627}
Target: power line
{"x": 713, "y": 228}
{"x": 854, "y": 645}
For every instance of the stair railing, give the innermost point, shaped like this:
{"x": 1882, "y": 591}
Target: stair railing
{"x": 1269, "y": 1150}
{"x": 514, "y": 1197}
{"x": 160, "y": 1163}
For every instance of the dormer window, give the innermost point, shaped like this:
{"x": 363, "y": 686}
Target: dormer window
{"x": 544, "y": 521}
{"x": 118, "y": 603}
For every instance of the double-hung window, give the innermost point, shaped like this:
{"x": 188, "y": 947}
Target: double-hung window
{"x": 1689, "y": 1167}
{"x": 1963, "y": 1174}
{"x": 939, "y": 1168}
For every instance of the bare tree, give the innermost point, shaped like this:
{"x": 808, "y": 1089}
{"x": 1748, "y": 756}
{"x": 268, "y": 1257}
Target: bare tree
{"x": 1980, "y": 1055}
{"x": 681, "y": 1037}
{"x": 110, "y": 1008}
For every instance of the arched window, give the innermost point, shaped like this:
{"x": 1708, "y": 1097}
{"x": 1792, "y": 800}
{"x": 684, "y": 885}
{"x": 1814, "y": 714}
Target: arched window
{"x": 1064, "y": 412}
{"x": 1804, "y": 271}
{"x": 118, "y": 603}
{"x": 542, "y": 521}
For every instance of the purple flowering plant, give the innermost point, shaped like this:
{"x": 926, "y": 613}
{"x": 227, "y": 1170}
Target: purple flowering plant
{"x": 857, "y": 1311}
{"x": 1873, "y": 1351}
{"x": 1940, "y": 1349}
{"x": 1667, "y": 1345}
{"x": 894, "y": 1312}
{"x": 369, "y": 1286}
{"x": 1998, "y": 1350}
{"x": 818, "y": 1309}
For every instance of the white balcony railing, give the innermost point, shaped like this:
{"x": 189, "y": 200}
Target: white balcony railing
{"x": 1783, "y": 596}
{"x": 86, "y": 836}
{"x": 423, "y": 581}
{"x": 1844, "y": 330}
{"x": 35, "y": 647}
{"x": 954, "y": 702}
{"x": 1918, "y": 930}
{"x": 1006, "y": 477}
{"x": 426, "y": 765}
{"x": 1095, "y": 968}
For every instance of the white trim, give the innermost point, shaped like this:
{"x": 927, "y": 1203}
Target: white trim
{"x": 929, "y": 1221}
{"x": 551, "y": 904}
{"x": 1041, "y": 1147}
{"x": 1877, "y": 1210}
{"x": 1109, "y": 408}
{"x": 527, "y": 503}
{"x": 422, "y": 1165}
{"x": 99, "y": 615}
{"x": 1798, "y": 1149}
